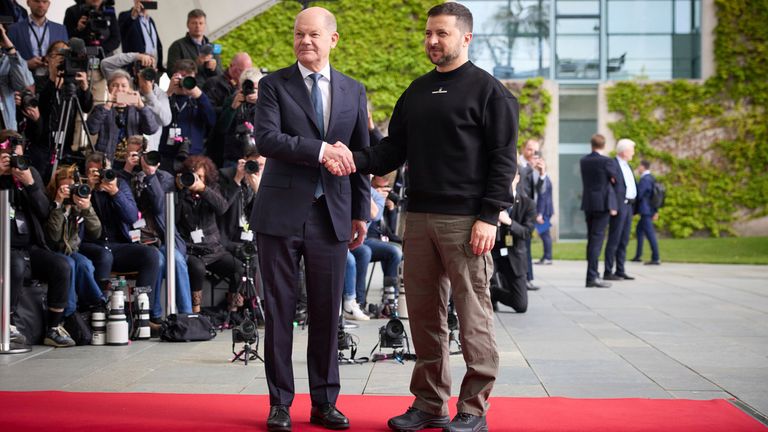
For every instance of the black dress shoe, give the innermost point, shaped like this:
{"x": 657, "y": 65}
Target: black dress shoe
{"x": 415, "y": 419}
{"x": 329, "y": 417}
{"x": 657, "y": 262}
{"x": 624, "y": 276}
{"x": 636, "y": 259}
{"x": 598, "y": 283}
{"x": 531, "y": 287}
{"x": 279, "y": 419}
{"x": 613, "y": 277}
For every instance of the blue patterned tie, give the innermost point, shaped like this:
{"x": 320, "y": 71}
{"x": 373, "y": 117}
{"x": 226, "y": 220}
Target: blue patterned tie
{"x": 317, "y": 103}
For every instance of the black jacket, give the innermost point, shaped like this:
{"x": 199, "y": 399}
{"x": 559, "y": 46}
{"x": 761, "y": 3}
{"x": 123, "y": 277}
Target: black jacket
{"x": 36, "y": 208}
{"x": 195, "y": 211}
{"x": 239, "y": 204}
{"x": 523, "y": 215}
{"x": 598, "y": 177}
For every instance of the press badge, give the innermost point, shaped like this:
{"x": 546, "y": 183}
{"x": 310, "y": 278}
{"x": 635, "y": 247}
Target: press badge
{"x": 21, "y": 225}
{"x": 139, "y": 224}
{"x": 508, "y": 240}
{"x": 197, "y": 236}
{"x": 503, "y": 252}
{"x": 135, "y": 235}
{"x": 246, "y": 234}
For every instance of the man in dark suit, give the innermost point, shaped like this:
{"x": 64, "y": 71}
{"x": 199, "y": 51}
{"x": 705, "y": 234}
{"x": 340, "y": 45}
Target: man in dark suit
{"x": 510, "y": 260}
{"x": 33, "y": 35}
{"x": 598, "y": 201}
{"x": 138, "y": 33}
{"x": 648, "y": 214}
{"x": 621, "y": 224}
{"x": 303, "y": 210}
{"x": 544, "y": 211}
{"x": 532, "y": 180}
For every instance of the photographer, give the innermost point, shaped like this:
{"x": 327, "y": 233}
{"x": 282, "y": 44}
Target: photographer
{"x": 118, "y": 248}
{"x": 55, "y": 93}
{"x": 72, "y": 218}
{"x": 238, "y": 185}
{"x": 195, "y": 46}
{"x": 129, "y": 117}
{"x": 30, "y": 255}
{"x": 33, "y": 35}
{"x": 94, "y": 21}
{"x": 14, "y": 76}
{"x": 149, "y": 186}
{"x": 192, "y": 117}
{"x": 199, "y": 204}
{"x": 138, "y": 33}
{"x": 238, "y": 117}
{"x": 145, "y": 76}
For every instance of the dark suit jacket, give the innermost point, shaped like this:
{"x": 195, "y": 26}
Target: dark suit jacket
{"x": 644, "y": 193}
{"x": 239, "y": 199}
{"x": 620, "y": 187}
{"x": 523, "y": 215}
{"x": 544, "y": 205}
{"x": 19, "y": 34}
{"x": 289, "y": 138}
{"x": 597, "y": 178}
{"x": 132, "y": 38}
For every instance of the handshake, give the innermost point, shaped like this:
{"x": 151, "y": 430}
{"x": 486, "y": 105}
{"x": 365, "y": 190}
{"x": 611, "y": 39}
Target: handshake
{"x": 337, "y": 159}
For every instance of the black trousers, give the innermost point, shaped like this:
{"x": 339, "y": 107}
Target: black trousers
{"x": 124, "y": 257}
{"x": 226, "y": 267}
{"x": 507, "y": 287}
{"x": 619, "y": 228}
{"x": 324, "y": 260}
{"x": 44, "y": 265}
{"x": 596, "y": 224}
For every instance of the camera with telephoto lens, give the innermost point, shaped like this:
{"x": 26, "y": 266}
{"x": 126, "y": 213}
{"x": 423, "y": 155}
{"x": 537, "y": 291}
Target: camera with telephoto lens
{"x": 187, "y": 179}
{"x": 189, "y": 82}
{"x": 107, "y": 175}
{"x": 78, "y": 188}
{"x": 247, "y": 251}
{"x": 394, "y": 197}
{"x": 392, "y": 335}
{"x": 148, "y": 73}
{"x": 20, "y": 162}
{"x": 252, "y": 167}
{"x": 246, "y": 332}
{"x": 28, "y": 99}
{"x": 152, "y": 157}
{"x": 243, "y": 134}
{"x": 248, "y": 87}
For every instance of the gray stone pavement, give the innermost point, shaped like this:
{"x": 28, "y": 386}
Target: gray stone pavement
{"x": 679, "y": 331}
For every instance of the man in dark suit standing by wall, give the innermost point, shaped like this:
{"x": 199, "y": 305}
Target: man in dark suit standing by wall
{"x": 648, "y": 214}
{"x": 598, "y": 201}
{"x": 303, "y": 210}
{"x": 138, "y": 33}
{"x": 621, "y": 224}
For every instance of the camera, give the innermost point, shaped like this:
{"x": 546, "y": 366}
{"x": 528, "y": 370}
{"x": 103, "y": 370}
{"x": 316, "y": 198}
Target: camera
{"x": 245, "y": 332}
{"x": 75, "y": 58}
{"x": 149, "y": 5}
{"x": 29, "y": 99}
{"x": 19, "y": 162}
{"x": 187, "y": 179}
{"x": 248, "y": 88}
{"x": 189, "y": 82}
{"x": 247, "y": 251}
{"x": 251, "y": 167}
{"x": 79, "y": 189}
{"x": 107, "y": 175}
{"x": 344, "y": 339}
{"x": 149, "y": 74}
{"x": 151, "y": 157}
{"x": 394, "y": 197}
{"x": 392, "y": 335}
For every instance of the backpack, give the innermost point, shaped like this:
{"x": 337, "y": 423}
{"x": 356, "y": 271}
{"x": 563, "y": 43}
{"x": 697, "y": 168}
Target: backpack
{"x": 658, "y": 195}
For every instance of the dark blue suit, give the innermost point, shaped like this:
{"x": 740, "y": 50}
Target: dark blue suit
{"x": 132, "y": 37}
{"x": 645, "y": 225}
{"x": 598, "y": 198}
{"x": 291, "y": 223}
{"x": 19, "y": 35}
{"x": 546, "y": 209}
{"x": 619, "y": 225}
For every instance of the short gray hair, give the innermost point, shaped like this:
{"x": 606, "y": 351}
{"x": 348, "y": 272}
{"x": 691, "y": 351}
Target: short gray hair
{"x": 119, "y": 73}
{"x": 624, "y": 144}
{"x": 252, "y": 74}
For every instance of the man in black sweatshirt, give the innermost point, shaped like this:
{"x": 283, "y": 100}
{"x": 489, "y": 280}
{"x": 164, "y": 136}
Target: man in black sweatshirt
{"x": 457, "y": 128}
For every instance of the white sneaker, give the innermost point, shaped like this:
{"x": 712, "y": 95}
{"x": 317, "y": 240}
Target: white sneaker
{"x": 352, "y": 311}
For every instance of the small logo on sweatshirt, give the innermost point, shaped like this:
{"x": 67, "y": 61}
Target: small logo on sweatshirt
{"x": 439, "y": 91}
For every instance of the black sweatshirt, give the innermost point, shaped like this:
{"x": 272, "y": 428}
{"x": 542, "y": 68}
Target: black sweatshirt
{"x": 457, "y": 131}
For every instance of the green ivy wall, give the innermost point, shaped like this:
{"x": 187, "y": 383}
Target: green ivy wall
{"x": 381, "y": 45}
{"x": 709, "y": 141}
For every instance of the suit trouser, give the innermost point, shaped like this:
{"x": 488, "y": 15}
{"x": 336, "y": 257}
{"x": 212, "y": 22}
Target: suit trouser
{"x": 325, "y": 262}
{"x": 619, "y": 228}
{"x": 645, "y": 229}
{"x": 438, "y": 244}
{"x": 596, "y": 224}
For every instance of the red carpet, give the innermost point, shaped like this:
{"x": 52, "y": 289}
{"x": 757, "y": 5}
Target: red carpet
{"x": 65, "y": 411}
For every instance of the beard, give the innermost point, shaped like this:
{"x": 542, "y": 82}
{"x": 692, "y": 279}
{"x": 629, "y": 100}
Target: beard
{"x": 446, "y": 57}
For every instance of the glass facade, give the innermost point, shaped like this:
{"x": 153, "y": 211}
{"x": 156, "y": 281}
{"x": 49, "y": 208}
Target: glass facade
{"x": 587, "y": 40}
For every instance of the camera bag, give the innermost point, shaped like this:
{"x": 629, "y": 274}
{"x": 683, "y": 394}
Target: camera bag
{"x": 187, "y": 328}
{"x": 29, "y": 312}
{"x": 78, "y": 328}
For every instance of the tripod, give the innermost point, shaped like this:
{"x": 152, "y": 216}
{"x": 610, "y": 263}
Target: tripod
{"x": 247, "y": 331}
{"x": 69, "y": 98}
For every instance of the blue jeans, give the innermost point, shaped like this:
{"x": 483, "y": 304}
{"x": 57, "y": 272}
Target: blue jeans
{"x": 82, "y": 284}
{"x": 389, "y": 254}
{"x": 362, "y": 258}
{"x": 183, "y": 292}
{"x": 349, "y": 278}
{"x": 546, "y": 239}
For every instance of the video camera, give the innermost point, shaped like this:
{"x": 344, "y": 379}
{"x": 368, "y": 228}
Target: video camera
{"x": 98, "y": 21}
{"x": 75, "y": 58}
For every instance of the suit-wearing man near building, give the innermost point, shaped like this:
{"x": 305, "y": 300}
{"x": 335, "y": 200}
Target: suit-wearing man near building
{"x": 456, "y": 126}
{"x": 33, "y": 35}
{"x": 138, "y": 33}
{"x": 648, "y": 214}
{"x": 620, "y": 224}
{"x": 532, "y": 179}
{"x": 598, "y": 201}
{"x": 544, "y": 211}
{"x": 302, "y": 210}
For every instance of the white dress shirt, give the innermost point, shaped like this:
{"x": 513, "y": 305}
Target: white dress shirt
{"x": 629, "y": 179}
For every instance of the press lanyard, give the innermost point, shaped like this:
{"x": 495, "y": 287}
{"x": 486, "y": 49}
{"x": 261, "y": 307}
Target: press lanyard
{"x": 148, "y": 28}
{"x": 39, "y": 39}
